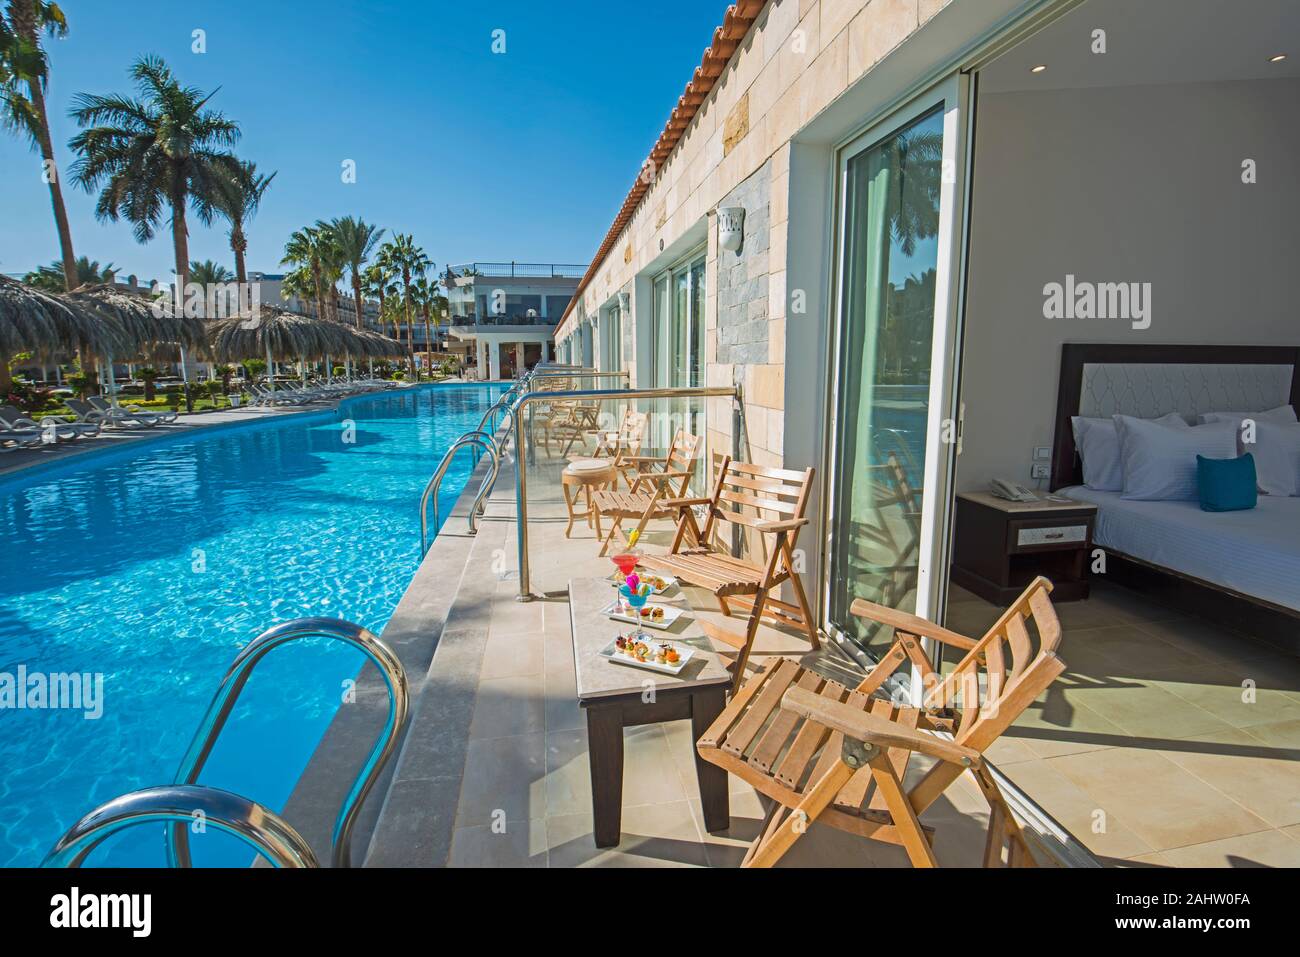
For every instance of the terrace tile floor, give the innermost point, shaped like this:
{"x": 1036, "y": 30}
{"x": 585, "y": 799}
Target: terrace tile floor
{"x": 1147, "y": 750}
{"x": 524, "y": 796}
{"x": 1168, "y": 742}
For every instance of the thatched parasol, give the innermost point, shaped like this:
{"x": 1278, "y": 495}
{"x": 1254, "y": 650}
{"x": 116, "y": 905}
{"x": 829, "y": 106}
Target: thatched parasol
{"x": 38, "y": 322}
{"x": 141, "y": 322}
{"x": 372, "y": 345}
{"x": 279, "y": 335}
{"x": 138, "y": 325}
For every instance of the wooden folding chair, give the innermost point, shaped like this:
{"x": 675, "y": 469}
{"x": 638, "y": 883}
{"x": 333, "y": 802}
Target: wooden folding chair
{"x": 778, "y": 498}
{"x": 624, "y": 439}
{"x": 650, "y": 485}
{"x": 585, "y": 420}
{"x": 569, "y": 424}
{"x": 619, "y": 445}
{"x": 822, "y": 751}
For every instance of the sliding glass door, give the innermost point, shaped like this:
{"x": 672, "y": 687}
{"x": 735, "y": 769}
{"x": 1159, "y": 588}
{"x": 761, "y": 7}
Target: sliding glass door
{"x": 677, "y": 344}
{"x": 678, "y": 334}
{"x": 611, "y": 340}
{"x": 893, "y": 428}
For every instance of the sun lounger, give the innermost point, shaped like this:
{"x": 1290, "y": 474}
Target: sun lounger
{"x": 21, "y": 438}
{"x": 131, "y": 413}
{"x": 62, "y": 429}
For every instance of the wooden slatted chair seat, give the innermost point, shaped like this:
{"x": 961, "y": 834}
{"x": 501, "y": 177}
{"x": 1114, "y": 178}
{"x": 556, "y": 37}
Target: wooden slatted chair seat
{"x": 789, "y": 754}
{"x": 723, "y": 575}
{"x": 823, "y": 751}
{"x": 771, "y": 502}
{"x": 652, "y": 483}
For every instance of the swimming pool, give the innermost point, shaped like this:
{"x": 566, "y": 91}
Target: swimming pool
{"x": 153, "y": 565}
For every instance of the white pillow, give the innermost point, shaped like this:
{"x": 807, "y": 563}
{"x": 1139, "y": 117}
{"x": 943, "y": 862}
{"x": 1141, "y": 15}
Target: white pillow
{"x": 1276, "y": 450}
{"x": 1097, "y": 443}
{"x": 1159, "y": 462}
{"x": 1282, "y": 415}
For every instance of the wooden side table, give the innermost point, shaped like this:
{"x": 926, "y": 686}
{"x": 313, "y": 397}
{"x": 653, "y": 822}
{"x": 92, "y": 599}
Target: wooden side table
{"x": 1001, "y": 546}
{"x": 616, "y": 696}
{"x": 585, "y": 476}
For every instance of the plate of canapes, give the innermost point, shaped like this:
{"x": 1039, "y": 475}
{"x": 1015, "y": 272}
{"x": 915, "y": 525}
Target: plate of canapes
{"x": 651, "y": 616}
{"x": 662, "y": 656}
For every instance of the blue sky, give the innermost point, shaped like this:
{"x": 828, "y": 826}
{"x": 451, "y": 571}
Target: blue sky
{"x": 525, "y": 155}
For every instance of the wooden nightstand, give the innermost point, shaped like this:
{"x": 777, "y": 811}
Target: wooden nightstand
{"x": 1001, "y": 546}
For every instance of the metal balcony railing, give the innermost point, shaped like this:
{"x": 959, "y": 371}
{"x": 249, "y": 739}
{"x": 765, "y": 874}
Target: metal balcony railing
{"x": 522, "y": 434}
{"x": 514, "y": 270}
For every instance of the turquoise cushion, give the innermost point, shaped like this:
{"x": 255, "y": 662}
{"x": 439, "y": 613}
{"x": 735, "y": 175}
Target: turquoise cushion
{"x": 1226, "y": 485}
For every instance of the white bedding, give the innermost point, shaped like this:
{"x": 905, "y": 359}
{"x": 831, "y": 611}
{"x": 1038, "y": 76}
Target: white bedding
{"x": 1255, "y": 551}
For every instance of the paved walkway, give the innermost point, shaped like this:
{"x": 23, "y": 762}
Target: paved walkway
{"x": 494, "y": 771}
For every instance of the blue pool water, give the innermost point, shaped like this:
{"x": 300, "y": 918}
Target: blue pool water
{"x": 154, "y": 565}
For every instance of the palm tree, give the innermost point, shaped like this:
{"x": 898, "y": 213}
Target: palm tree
{"x": 298, "y": 282}
{"x": 356, "y": 240}
{"x": 165, "y": 149}
{"x": 237, "y": 201}
{"x": 147, "y": 375}
{"x": 209, "y": 273}
{"x": 332, "y": 265}
{"x": 430, "y": 303}
{"x": 52, "y": 278}
{"x": 378, "y": 283}
{"x": 23, "y": 63}
{"x": 225, "y": 371}
{"x": 410, "y": 261}
{"x": 304, "y": 251}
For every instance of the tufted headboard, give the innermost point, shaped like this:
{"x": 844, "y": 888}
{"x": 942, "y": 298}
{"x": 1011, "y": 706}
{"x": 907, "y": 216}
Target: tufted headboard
{"x": 1101, "y": 379}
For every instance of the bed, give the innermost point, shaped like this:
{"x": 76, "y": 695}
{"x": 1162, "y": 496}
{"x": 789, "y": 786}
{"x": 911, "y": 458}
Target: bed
{"x": 1255, "y": 552}
{"x": 1238, "y": 568}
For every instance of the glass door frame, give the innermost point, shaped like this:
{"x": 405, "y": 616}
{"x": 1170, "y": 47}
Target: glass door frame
{"x": 663, "y": 361}
{"x": 953, "y": 95}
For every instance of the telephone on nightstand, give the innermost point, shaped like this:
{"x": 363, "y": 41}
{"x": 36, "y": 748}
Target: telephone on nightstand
{"x": 1011, "y": 491}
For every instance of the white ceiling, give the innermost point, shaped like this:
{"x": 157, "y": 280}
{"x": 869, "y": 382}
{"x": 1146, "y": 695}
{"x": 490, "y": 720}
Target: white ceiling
{"x": 1154, "y": 41}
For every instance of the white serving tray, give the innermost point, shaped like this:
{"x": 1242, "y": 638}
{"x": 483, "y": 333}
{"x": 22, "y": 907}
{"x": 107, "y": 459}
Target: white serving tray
{"x": 671, "y": 614}
{"x": 611, "y": 653}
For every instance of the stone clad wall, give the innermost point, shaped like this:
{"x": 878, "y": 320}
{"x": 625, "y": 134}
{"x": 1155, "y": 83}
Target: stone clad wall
{"x": 743, "y": 276}
{"x": 797, "y": 58}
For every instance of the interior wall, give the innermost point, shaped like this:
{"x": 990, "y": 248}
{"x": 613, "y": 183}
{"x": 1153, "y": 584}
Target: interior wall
{"x": 1120, "y": 184}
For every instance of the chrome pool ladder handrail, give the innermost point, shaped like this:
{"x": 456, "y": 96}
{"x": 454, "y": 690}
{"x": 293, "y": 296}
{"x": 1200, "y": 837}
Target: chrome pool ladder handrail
{"x": 232, "y": 684}
{"x": 180, "y": 805}
{"x": 477, "y": 439}
{"x": 501, "y": 406}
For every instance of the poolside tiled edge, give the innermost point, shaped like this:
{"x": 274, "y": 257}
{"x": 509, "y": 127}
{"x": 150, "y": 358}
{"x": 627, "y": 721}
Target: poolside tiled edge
{"x": 422, "y": 621}
{"x": 416, "y": 821}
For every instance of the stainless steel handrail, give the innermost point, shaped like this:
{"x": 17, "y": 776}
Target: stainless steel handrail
{"x": 577, "y": 374}
{"x": 477, "y": 439}
{"x": 489, "y": 481}
{"x": 521, "y": 468}
{"x": 502, "y": 400}
{"x": 180, "y": 806}
{"x": 232, "y": 684}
